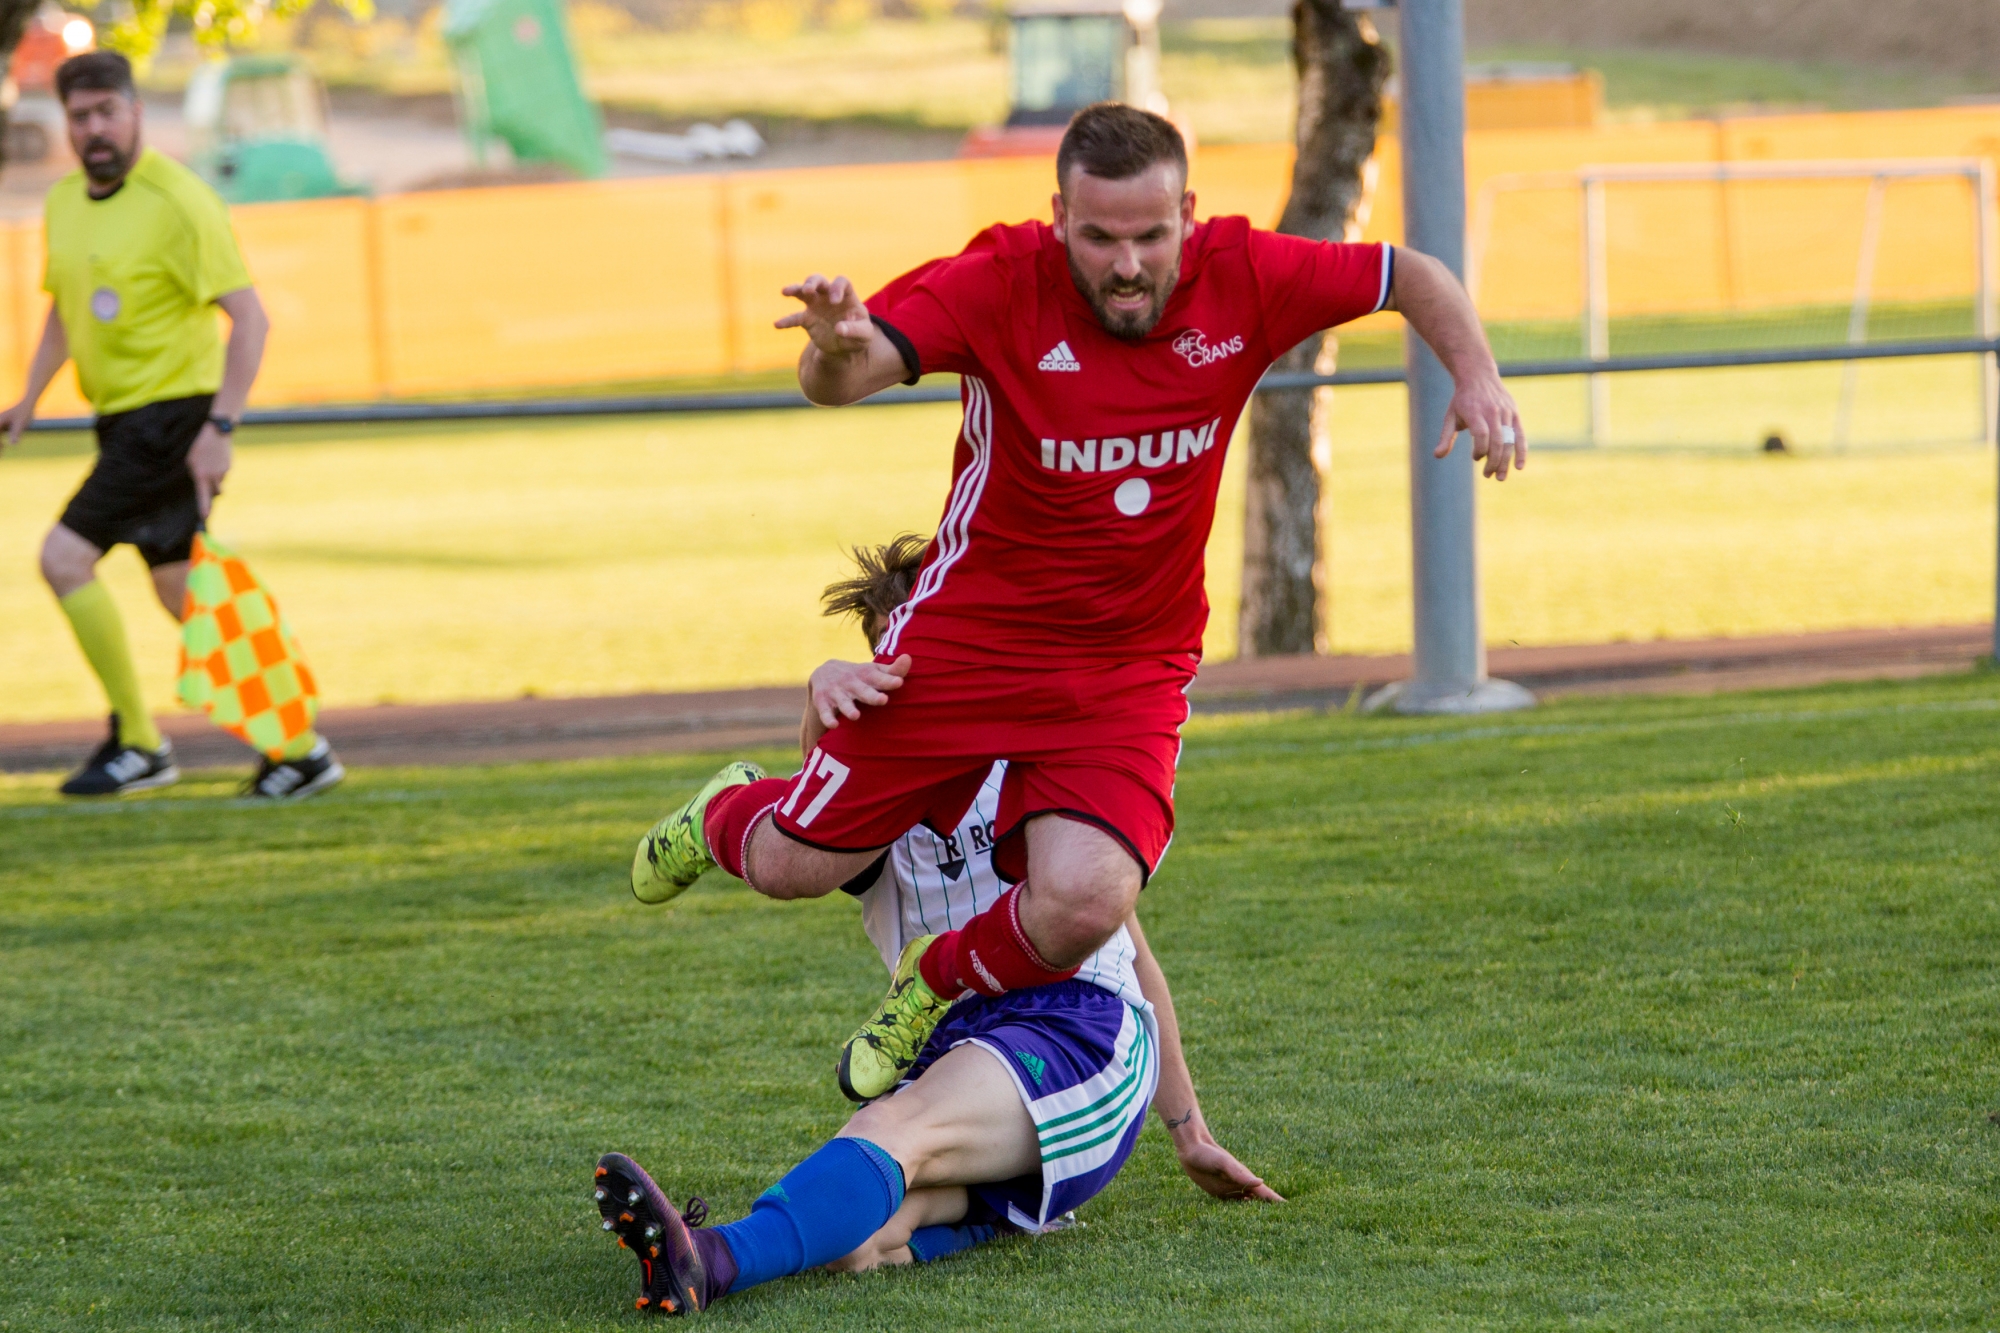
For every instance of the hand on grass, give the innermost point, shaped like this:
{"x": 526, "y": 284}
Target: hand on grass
{"x": 1481, "y": 404}
{"x": 208, "y": 461}
{"x": 834, "y": 316}
{"x": 839, "y": 688}
{"x": 1209, "y": 1164}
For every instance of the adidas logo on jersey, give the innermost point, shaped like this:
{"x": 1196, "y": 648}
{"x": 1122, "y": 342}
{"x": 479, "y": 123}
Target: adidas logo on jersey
{"x": 1060, "y": 358}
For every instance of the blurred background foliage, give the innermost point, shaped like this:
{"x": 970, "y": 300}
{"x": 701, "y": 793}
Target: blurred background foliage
{"x": 942, "y": 64}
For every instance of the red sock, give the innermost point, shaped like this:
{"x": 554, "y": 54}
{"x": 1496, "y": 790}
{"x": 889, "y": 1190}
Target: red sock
{"x": 989, "y": 954}
{"x": 732, "y": 813}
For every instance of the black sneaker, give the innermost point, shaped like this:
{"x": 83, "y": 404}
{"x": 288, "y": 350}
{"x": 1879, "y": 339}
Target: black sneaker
{"x": 678, "y": 1272}
{"x": 117, "y": 768}
{"x": 296, "y": 779}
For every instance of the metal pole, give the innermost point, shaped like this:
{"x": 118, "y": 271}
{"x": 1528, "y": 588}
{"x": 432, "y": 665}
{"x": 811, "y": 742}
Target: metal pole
{"x": 1988, "y": 325}
{"x": 1857, "y": 315}
{"x": 1597, "y": 305}
{"x": 1450, "y": 655}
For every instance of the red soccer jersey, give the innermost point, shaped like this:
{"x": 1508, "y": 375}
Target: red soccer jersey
{"x": 1085, "y": 475}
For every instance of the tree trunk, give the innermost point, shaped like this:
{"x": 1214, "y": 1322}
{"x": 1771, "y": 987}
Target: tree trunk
{"x": 1342, "y": 67}
{"x": 14, "y": 16}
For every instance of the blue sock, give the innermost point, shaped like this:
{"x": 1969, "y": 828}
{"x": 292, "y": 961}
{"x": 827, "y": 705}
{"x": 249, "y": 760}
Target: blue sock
{"x": 823, "y": 1209}
{"x": 928, "y": 1243}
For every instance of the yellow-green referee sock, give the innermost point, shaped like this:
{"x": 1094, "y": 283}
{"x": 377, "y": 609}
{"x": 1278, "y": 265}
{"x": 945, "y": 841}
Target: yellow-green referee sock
{"x": 100, "y": 632}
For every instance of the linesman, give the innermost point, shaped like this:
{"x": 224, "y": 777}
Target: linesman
{"x": 140, "y": 252}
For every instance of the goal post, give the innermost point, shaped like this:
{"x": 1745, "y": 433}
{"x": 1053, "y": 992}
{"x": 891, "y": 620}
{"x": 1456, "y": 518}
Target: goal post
{"x": 1741, "y": 254}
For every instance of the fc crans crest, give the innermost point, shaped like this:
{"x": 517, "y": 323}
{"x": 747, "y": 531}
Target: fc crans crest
{"x": 1199, "y": 351}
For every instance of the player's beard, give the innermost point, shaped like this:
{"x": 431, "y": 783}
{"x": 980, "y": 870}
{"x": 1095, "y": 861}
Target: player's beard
{"x": 104, "y": 161}
{"x": 1120, "y": 324}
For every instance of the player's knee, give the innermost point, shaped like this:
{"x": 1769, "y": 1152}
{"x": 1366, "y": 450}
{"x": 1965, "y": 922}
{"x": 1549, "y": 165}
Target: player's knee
{"x": 898, "y": 1126}
{"x": 67, "y": 562}
{"x": 1092, "y": 908}
{"x": 1103, "y": 912}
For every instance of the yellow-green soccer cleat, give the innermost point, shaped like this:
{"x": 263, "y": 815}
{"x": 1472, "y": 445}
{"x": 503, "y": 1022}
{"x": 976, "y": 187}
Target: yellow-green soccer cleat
{"x": 673, "y": 854}
{"x": 876, "y": 1057}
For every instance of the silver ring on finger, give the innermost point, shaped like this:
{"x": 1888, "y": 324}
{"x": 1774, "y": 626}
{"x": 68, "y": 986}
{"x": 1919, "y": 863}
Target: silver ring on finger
{"x": 1506, "y": 435}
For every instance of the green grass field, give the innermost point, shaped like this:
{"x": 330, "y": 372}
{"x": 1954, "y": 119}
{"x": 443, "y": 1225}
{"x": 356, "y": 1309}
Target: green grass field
{"x": 688, "y": 552}
{"x": 1644, "y": 1014}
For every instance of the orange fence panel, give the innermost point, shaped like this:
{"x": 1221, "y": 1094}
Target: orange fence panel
{"x": 312, "y": 266}
{"x": 870, "y": 224}
{"x": 28, "y": 306}
{"x": 553, "y": 285}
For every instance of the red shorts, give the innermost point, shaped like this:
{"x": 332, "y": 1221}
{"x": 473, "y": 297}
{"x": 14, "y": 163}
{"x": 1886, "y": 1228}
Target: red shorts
{"x": 1096, "y": 743}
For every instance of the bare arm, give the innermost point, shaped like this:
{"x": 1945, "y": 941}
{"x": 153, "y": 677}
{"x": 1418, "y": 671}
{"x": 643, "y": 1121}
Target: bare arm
{"x": 50, "y": 353}
{"x": 1437, "y": 307}
{"x": 248, "y": 328}
{"x": 848, "y": 357}
{"x": 210, "y": 456}
{"x": 1206, "y": 1162}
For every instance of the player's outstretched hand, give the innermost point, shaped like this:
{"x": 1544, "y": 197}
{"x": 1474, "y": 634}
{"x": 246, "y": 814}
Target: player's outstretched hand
{"x": 14, "y": 420}
{"x": 1481, "y": 404}
{"x": 835, "y": 318}
{"x": 838, "y": 689}
{"x": 1214, "y": 1168}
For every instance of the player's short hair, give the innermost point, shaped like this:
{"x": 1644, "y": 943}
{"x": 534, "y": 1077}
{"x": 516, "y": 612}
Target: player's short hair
{"x": 95, "y": 72}
{"x": 1117, "y": 142}
{"x": 888, "y": 573}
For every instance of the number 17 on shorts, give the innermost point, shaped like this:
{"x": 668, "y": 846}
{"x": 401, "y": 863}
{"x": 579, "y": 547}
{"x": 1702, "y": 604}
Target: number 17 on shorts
{"x": 822, "y": 771}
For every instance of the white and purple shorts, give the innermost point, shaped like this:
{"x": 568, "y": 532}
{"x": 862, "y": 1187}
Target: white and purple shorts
{"x": 1086, "y": 1064}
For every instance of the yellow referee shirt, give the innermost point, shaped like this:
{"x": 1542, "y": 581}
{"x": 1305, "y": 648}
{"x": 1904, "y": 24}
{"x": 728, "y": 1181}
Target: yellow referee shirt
{"x": 135, "y": 276}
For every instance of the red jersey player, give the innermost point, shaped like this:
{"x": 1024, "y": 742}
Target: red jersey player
{"x": 1058, "y": 618}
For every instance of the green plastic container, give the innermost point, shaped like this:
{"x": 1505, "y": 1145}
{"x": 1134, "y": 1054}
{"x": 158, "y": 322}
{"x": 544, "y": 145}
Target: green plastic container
{"x": 257, "y": 131}
{"x": 518, "y": 84}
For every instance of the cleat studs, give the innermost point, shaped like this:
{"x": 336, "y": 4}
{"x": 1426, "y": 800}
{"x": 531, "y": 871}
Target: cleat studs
{"x": 651, "y": 1232}
{"x": 654, "y": 1252}
{"x": 632, "y": 1197}
{"x": 607, "y": 1224}
{"x": 625, "y": 1217}
{"x": 622, "y": 1245}
{"x": 599, "y": 1195}
{"x": 641, "y": 1303}
{"x": 603, "y": 1171}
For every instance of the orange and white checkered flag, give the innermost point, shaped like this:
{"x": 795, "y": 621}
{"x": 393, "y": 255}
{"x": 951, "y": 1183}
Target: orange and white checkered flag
{"x": 240, "y": 663}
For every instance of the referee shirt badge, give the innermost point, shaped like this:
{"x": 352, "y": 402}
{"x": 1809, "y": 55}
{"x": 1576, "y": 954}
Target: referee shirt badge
{"x": 104, "y": 304}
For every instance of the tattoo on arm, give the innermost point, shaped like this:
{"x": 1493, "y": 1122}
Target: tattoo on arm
{"x": 1172, "y": 1123}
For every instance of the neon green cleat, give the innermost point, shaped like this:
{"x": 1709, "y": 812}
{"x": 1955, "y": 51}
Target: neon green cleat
{"x": 673, "y": 854}
{"x": 877, "y": 1056}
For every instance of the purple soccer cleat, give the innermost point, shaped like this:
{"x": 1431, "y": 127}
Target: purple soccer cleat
{"x": 675, "y": 1280}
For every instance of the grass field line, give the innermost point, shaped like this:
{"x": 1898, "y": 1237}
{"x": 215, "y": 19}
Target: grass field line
{"x": 1210, "y": 751}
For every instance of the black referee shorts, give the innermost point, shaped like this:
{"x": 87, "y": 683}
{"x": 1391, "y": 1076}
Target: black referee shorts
{"x": 141, "y": 491}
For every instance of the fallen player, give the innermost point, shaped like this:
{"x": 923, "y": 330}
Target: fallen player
{"x": 1019, "y": 1108}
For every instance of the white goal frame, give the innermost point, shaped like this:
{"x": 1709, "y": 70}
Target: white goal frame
{"x": 1590, "y": 183}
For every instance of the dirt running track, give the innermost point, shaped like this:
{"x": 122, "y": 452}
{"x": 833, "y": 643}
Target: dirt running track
{"x": 533, "y": 729}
